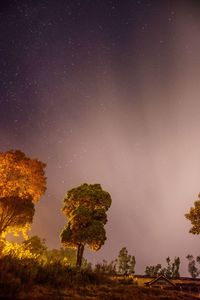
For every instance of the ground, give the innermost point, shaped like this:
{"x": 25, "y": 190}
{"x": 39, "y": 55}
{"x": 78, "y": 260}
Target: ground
{"x": 103, "y": 292}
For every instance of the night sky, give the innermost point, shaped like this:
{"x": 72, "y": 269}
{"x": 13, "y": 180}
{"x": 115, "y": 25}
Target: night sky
{"x": 108, "y": 92}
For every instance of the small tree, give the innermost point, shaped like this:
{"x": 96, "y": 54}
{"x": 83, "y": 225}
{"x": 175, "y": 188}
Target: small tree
{"x": 171, "y": 270}
{"x": 194, "y": 217}
{"x": 85, "y": 208}
{"x": 125, "y": 262}
{"x": 175, "y": 267}
{"x": 132, "y": 264}
{"x": 192, "y": 269}
{"x": 153, "y": 271}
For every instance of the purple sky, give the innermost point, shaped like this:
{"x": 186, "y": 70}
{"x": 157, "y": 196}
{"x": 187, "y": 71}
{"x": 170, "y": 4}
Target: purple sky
{"x": 108, "y": 92}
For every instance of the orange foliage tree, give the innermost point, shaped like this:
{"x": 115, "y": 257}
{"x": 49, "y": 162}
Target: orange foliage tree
{"x": 194, "y": 216}
{"x": 22, "y": 183}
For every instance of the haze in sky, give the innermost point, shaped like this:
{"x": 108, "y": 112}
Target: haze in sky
{"x": 108, "y": 92}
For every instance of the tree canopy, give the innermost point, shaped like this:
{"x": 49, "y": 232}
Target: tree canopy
{"x": 85, "y": 208}
{"x": 22, "y": 183}
{"x": 194, "y": 217}
{"x": 21, "y": 176}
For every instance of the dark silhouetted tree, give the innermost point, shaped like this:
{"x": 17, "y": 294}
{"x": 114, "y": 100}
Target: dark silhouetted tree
{"x": 85, "y": 208}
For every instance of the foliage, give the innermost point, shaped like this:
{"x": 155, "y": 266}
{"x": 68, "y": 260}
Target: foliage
{"x": 106, "y": 268}
{"x": 15, "y": 273}
{"x": 153, "y": 271}
{"x": 21, "y": 176}
{"x": 171, "y": 270}
{"x": 64, "y": 256}
{"x": 15, "y": 213}
{"x": 194, "y": 217}
{"x": 192, "y": 268}
{"x": 35, "y": 245}
{"x": 125, "y": 262}
{"x": 35, "y": 248}
{"x": 85, "y": 208}
{"x": 15, "y": 250}
{"x": 22, "y": 183}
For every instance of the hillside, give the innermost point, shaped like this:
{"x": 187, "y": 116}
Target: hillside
{"x": 101, "y": 292}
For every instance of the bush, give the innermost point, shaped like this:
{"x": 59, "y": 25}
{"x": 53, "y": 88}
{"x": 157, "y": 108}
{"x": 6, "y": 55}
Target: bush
{"x": 18, "y": 272}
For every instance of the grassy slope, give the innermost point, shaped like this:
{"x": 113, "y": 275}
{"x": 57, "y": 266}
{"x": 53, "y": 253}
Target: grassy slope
{"x": 103, "y": 292}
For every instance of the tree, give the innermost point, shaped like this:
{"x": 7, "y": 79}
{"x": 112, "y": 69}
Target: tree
{"x": 22, "y": 183}
{"x": 125, "y": 262}
{"x": 175, "y": 268}
{"x": 85, "y": 208}
{"x": 132, "y": 263}
{"x": 21, "y": 176}
{"x": 153, "y": 271}
{"x": 192, "y": 269}
{"x": 15, "y": 213}
{"x": 194, "y": 217}
{"x": 171, "y": 270}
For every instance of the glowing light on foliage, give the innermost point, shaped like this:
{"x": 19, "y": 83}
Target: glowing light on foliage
{"x": 19, "y": 251}
{"x": 21, "y": 176}
{"x": 194, "y": 217}
{"x": 16, "y": 215}
{"x": 85, "y": 208}
{"x": 22, "y": 183}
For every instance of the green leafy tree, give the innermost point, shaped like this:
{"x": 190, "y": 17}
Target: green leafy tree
{"x": 153, "y": 271}
{"x": 175, "y": 268}
{"x": 192, "y": 268}
{"x": 125, "y": 262}
{"x": 171, "y": 270}
{"x": 85, "y": 208}
{"x": 132, "y": 264}
{"x": 194, "y": 217}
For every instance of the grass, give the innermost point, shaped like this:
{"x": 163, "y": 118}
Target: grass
{"x": 28, "y": 279}
{"x": 103, "y": 292}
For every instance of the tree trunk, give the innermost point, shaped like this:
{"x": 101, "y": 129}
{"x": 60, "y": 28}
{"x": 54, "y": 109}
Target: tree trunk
{"x": 79, "y": 255}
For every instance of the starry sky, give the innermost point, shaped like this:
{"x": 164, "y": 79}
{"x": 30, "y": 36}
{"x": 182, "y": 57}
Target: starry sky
{"x": 108, "y": 92}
